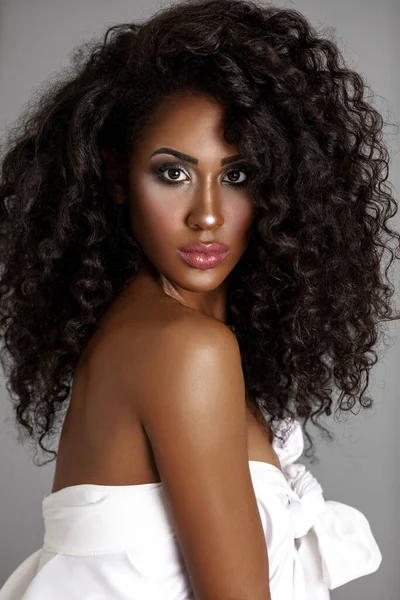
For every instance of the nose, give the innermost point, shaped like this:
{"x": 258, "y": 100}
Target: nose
{"x": 205, "y": 213}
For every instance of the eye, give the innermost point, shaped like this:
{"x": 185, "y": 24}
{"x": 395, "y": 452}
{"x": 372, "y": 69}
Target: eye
{"x": 238, "y": 182}
{"x": 170, "y": 169}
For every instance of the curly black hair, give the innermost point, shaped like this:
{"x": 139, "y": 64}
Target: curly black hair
{"x": 305, "y": 299}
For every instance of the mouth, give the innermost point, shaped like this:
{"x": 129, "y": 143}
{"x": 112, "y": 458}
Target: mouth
{"x": 203, "y": 260}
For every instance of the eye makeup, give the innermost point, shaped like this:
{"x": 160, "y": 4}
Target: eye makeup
{"x": 159, "y": 170}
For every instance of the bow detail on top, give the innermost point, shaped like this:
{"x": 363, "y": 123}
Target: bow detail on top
{"x": 310, "y": 495}
{"x": 346, "y": 544}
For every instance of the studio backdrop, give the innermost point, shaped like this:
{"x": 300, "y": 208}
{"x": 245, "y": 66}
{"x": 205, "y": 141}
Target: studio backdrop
{"x": 361, "y": 466}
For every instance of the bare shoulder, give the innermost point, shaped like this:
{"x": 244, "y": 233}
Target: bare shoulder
{"x": 197, "y": 333}
{"x": 192, "y": 408}
{"x": 170, "y": 344}
{"x": 193, "y": 352}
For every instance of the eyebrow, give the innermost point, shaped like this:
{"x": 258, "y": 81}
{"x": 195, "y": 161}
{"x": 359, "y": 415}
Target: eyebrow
{"x": 192, "y": 159}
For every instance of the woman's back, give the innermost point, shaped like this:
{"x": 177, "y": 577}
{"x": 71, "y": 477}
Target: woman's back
{"x": 102, "y": 440}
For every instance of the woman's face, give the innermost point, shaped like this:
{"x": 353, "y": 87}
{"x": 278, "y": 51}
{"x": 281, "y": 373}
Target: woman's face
{"x": 199, "y": 197}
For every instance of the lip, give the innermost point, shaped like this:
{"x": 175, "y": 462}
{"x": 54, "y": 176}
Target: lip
{"x": 205, "y": 248}
{"x": 202, "y": 260}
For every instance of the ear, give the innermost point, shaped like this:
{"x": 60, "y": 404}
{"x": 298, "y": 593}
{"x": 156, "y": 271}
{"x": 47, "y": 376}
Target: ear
{"x": 118, "y": 193}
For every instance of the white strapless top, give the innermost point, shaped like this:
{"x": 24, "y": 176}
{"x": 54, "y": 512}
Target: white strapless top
{"x": 117, "y": 542}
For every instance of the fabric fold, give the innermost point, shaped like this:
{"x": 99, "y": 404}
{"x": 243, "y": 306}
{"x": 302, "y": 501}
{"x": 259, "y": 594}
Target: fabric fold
{"x": 345, "y": 542}
{"x": 18, "y": 582}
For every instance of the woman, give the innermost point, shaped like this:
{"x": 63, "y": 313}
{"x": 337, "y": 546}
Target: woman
{"x": 190, "y": 372}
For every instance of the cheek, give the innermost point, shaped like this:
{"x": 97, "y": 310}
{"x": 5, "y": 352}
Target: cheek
{"x": 163, "y": 220}
{"x": 242, "y": 218}
{"x": 154, "y": 220}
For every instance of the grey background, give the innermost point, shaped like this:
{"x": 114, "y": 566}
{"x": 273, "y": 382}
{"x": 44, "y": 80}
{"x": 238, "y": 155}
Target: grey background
{"x": 360, "y": 467}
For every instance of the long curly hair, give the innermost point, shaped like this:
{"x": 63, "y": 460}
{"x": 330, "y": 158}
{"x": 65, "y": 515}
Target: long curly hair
{"x": 306, "y": 298}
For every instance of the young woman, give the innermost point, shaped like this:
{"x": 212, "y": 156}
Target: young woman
{"x": 189, "y": 232}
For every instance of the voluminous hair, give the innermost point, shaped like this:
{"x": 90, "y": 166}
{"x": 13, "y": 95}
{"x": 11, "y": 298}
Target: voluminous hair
{"x": 305, "y": 299}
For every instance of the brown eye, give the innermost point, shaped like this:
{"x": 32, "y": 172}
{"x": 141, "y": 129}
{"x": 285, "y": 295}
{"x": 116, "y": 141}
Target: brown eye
{"x": 172, "y": 171}
{"x": 238, "y": 181}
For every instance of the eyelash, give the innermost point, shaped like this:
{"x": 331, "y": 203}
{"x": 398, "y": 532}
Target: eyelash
{"x": 166, "y": 166}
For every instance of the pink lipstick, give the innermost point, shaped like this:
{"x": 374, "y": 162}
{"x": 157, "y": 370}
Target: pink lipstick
{"x": 204, "y": 256}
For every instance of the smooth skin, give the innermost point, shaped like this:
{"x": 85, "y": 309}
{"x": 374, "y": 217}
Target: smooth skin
{"x": 159, "y": 394}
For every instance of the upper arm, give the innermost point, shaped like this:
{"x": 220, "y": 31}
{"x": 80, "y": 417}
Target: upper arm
{"x": 193, "y": 411}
